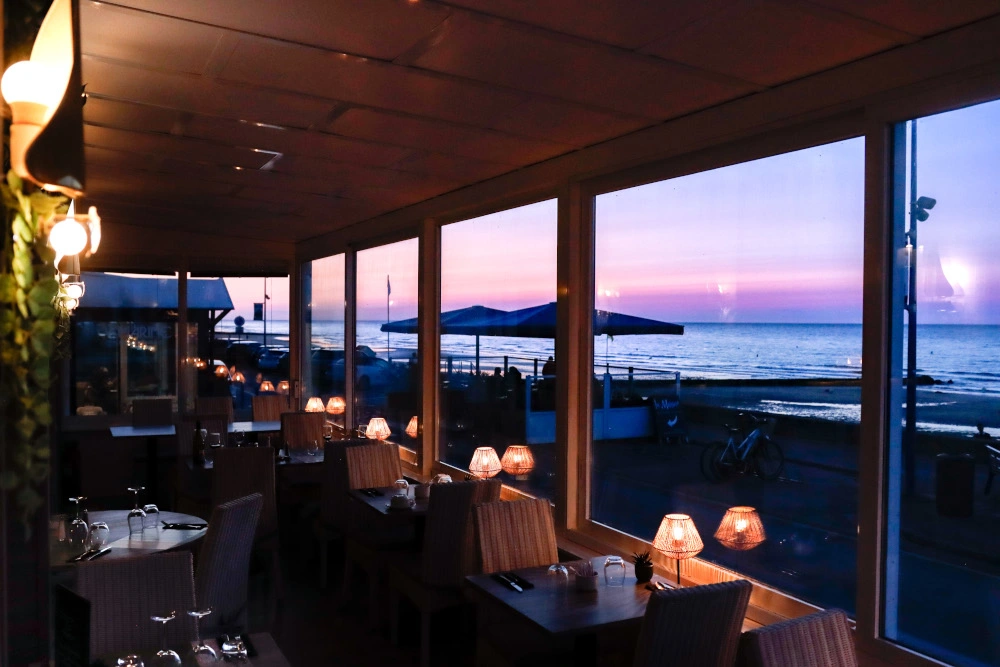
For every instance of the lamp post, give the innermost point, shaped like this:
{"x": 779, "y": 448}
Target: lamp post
{"x": 919, "y": 207}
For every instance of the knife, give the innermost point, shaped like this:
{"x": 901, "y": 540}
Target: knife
{"x": 83, "y": 556}
{"x": 103, "y": 552}
{"x": 508, "y": 582}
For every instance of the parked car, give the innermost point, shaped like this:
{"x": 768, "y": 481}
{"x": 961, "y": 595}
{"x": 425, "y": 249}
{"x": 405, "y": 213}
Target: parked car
{"x": 241, "y": 351}
{"x": 273, "y": 359}
{"x": 369, "y": 371}
{"x": 322, "y": 361}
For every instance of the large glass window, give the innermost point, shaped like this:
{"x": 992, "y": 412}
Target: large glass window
{"x": 323, "y": 318}
{"x": 727, "y": 363}
{"x": 386, "y": 365}
{"x": 124, "y": 342}
{"x": 942, "y": 571}
{"x": 498, "y": 292}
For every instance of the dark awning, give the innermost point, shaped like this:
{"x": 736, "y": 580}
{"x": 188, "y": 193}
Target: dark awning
{"x": 114, "y": 290}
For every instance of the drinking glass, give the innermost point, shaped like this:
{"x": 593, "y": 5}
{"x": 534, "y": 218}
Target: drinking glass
{"x": 131, "y": 660}
{"x": 240, "y": 437}
{"x": 559, "y": 570}
{"x": 327, "y": 431}
{"x": 78, "y": 528}
{"x": 152, "y": 518}
{"x": 165, "y": 655}
{"x": 214, "y": 439}
{"x": 202, "y": 647}
{"x": 98, "y": 536}
{"x": 614, "y": 571}
{"x": 402, "y": 487}
{"x": 313, "y": 448}
{"x": 136, "y": 517}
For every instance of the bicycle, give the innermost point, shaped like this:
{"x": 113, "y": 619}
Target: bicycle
{"x": 756, "y": 452}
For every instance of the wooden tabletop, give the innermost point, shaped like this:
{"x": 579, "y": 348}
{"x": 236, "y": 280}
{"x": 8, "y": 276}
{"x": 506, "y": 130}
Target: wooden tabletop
{"x": 295, "y": 457}
{"x": 380, "y": 503}
{"x": 123, "y": 545}
{"x": 555, "y": 606}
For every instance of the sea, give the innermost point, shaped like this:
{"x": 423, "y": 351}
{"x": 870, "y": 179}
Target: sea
{"x": 964, "y": 358}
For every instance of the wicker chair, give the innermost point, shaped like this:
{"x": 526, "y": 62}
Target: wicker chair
{"x": 818, "y": 640}
{"x": 433, "y": 580}
{"x": 269, "y": 407}
{"x": 215, "y": 405}
{"x": 515, "y": 534}
{"x": 695, "y": 627}
{"x": 124, "y": 593}
{"x": 334, "y": 504}
{"x": 375, "y": 465}
{"x": 152, "y": 412}
{"x": 224, "y": 563}
{"x": 298, "y": 429}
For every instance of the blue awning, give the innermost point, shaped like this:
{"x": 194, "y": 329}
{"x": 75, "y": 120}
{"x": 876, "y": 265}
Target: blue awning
{"x": 115, "y": 290}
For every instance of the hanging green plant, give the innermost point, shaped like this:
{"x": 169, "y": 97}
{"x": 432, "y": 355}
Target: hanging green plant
{"x": 30, "y": 313}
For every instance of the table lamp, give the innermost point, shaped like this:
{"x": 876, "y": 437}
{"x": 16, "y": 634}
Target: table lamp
{"x": 239, "y": 377}
{"x": 336, "y": 405}
{"x": 283, "y": 387}
{"x": 518, "y": 461}
{"x": 678, "y": 539}
{"x": 741, "y": 529}
{"x": 485, "y": 463}
{"x": 314, "y": 404}
{"x": 411, "y": 428}
{"x": 377, "y": 429}
{"x": 266, "y": 386}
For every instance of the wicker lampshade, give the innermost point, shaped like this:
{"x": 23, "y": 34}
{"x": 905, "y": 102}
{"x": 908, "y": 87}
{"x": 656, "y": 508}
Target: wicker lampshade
{"x": 517, "y": 460}
{"x": 283, "y": 388}
{"x": 239, "y": 377}
{"x": 266, "y": 386}
{"x": 336, "y": 405}
{"x": 678, "y": 537}
{"x": 377, "y": 429}
{"x": 485, "y": 463}
{"x": 741, "y": 529}
{"x": 221, "y": 371}
{"x": 411, "y": 428}
{"x": 314, "y": 404}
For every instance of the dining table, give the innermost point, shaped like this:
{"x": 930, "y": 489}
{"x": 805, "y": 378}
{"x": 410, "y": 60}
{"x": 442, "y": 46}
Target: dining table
{"x": 154, "y": 539}
{"x": 590, "y": 623}
{"x": 265, "y": 654}
{"x": 151, "y": 433}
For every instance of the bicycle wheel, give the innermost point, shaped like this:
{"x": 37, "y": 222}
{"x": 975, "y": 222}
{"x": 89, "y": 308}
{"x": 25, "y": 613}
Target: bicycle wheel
{"x": 768, "y": 459}
{"x": 714, "y": 465}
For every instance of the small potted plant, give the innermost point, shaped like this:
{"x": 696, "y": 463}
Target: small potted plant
{"x": 643, "y": 567}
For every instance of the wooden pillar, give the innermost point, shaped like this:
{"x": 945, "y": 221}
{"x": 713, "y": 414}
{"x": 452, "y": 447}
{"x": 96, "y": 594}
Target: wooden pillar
{"x": 429, "y": 348}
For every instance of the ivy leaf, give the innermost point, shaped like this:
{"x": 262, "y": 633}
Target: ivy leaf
{"x": 7, "y": 287}
{"x": 24, "y": 272}
{"x": 43, "y": 328}
{"x": 25, "y": 427}
{"x": 43, "y": 415}
{"x": 22, "y": 230}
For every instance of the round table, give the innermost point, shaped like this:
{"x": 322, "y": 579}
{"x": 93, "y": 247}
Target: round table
{"x": 123, "y": 545}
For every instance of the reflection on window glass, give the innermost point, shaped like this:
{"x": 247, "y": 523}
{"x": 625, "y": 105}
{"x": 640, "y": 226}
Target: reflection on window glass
{"x": 249, "y": 336}
{"x": 942, "y": 573}
{"x": 386, "y": 367}
{"x": 323, "y": 364}
{"x": 498, "y": 365}
{"x": 124, "y": 342}
{"x": 727, "y": 363}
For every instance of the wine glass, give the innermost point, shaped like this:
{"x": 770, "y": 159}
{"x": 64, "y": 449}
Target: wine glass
{"x": 152, "y": 517}
{"x": 166, "y": 655}
{"x": 78, "y": 528}
{"x": 131, "y": 660}
{"x": 313, "y": 448}
{"x": 202, "y": 647}
{"x": 98, "y": 536}
{"x": 136, "y": 517}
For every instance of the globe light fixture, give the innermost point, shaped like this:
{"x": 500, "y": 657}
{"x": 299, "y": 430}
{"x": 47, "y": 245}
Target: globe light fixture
{"x": 485, "y": 463}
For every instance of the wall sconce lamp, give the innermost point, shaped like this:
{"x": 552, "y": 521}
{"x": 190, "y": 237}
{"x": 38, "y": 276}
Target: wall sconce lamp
{"x": 45, "y": 95}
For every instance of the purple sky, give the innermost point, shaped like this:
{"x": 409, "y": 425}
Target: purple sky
{"x": 774, "y": 240}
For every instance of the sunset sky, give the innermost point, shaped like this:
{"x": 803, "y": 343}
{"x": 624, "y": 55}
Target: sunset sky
{"x": 773, "y": 240}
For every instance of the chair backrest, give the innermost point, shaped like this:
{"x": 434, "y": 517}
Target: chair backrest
{"x": 373, "y": 465}
{"x": 269, "y": 407}
{"x": 152, "y": 411}
{"x": 515, "y": 534}
{"x": 224, "y": 563}
{"x": 449, "y": 553}
{"x": 241, "y": 471}
{"x": 298, "y": 429}
{"x": 125, "y": 592}
{"x": 697, "y": 626}
{"x": 334, "y": 500}
{"x": 823, "y": 639}
{"x": 215, "y": 405}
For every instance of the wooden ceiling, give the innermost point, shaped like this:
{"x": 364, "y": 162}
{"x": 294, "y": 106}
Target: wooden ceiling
{"x": 284, "y": 120}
